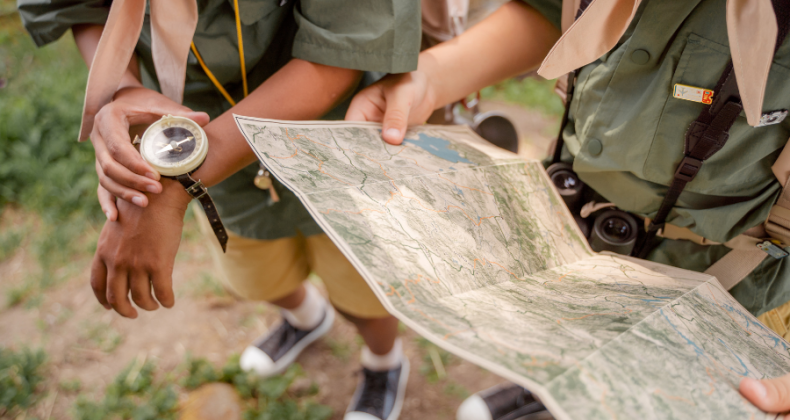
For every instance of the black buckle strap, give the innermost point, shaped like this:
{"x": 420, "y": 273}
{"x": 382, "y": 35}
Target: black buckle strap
{"x": 688, "y": 169}
{"x": 198, "y": 191}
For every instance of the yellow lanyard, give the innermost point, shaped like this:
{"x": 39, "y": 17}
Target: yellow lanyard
{"x": 241, "y": 61}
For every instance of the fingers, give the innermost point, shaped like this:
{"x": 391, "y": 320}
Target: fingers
{"x": 771, "y": 395}
{"x": 396, "y": 116}
{"x": 141, "y": 290}
{"x": 107, "y": 203}
{"x": 162, "y": 281}
{"x": 120, "y": 161}
{"x": 99, "y": 281}
{"x": 118, "y": 292}
{"x": 117, "y": 190}
{"x": 368, "y": 105}
{"x": 111, "y": 135}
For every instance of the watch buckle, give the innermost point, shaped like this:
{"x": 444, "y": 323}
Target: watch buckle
{"x": 197, "y": 189}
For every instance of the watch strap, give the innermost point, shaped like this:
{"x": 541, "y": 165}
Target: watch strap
{"x": 198, "y": 191}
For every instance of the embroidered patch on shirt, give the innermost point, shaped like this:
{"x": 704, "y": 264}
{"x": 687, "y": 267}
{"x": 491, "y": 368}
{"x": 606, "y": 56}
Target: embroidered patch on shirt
{"x": 694, "y": 94}
{"x": 773, "y": 117}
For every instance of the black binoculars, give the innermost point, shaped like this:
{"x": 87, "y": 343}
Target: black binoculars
{"x": 607, "y": 229}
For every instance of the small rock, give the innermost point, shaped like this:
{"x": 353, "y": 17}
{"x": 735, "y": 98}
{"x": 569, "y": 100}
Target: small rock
{"x": 214, "y": 401}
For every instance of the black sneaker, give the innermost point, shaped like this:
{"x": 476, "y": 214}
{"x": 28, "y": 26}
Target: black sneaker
{"x": 379, "y": 395}
{"x": 274, "y": 352}
{"x": 502, "y": 402}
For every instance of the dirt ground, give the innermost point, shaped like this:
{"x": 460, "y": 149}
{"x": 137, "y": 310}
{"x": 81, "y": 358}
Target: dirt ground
{"x": 85, "y": 342}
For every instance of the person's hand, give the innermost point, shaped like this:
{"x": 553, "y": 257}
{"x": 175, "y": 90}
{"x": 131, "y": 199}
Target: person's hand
{"x": 397, "y": 101}
{"x": 122, "y": 171}
{"x": 770, "y": 395}
{"x": 138, "y": 251}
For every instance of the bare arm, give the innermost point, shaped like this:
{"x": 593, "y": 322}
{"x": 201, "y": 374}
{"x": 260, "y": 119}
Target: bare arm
{"x": 139, "y": 249}
{"x": 512, "y": 41}
{"x": 301, "y": 90}
{"x": 87, "y": 39}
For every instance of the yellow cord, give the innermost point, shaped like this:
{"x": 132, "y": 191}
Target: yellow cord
{"x": 241, "y": 61}
{"x": 241, "y": 49}
{"x": 211, "y": 76}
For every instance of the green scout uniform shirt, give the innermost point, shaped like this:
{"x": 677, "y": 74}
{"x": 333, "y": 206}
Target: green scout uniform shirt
{"x": 374, "y": 35}
{"x": 626, "y": 134}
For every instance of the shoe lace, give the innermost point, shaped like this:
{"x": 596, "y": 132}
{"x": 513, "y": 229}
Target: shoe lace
{"x": 374, "y": 389}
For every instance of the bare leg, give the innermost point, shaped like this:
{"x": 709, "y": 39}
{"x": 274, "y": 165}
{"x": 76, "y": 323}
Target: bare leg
{"x": 293, "y": 300}
{"x": 378, "y": 333}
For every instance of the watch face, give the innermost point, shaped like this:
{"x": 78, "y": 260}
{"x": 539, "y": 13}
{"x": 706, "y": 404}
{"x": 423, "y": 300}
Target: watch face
{"x": 174, "y": 145}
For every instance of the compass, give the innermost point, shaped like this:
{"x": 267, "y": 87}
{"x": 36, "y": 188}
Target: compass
{"x": 174, "y": 145}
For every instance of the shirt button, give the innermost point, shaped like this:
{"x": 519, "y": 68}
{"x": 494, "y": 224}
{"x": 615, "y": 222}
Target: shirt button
{"x": 640, "y": 57}
{"x": 594, "y": 147}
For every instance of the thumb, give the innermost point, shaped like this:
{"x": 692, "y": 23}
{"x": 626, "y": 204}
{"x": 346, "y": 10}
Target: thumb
{"x": 771, "y": 395}
{"x": 396, "y": 116}
{"x": 201, "y": 118}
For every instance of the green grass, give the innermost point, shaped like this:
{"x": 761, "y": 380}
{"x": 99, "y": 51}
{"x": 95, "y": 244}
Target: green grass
{"x": 532, "y": 93}
{"x": 21, "y": 378}
{"x": 134, "y": 394}
{"x": 45, "y": 173}
{"x": 264, "y": 399}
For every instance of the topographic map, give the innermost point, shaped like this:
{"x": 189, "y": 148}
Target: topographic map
{"x": 471, "y": 247}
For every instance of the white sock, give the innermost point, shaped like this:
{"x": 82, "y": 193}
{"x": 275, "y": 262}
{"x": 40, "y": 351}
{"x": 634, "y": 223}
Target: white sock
{"x": 309, "y": 313}
{"x": 382, "y": 362}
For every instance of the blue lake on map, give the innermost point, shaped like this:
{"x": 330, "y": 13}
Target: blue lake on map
{"x": 437, "y": 147}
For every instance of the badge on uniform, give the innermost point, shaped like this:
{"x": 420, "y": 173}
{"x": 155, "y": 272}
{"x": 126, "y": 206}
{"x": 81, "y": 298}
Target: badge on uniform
{"x": 692, "y": 93}
{"x": 773, "y": 117}
{"x": 772, "y": 249}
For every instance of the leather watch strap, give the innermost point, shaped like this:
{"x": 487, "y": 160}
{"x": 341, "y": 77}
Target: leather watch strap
{"x": 198, "y": 191}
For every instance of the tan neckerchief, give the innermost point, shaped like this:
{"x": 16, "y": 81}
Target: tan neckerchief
{"x": 173, "y": 25}
{"x": 751, "y": 29}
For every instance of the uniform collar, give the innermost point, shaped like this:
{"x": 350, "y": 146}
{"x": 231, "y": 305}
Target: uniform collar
{"x": 173, "y": 25}
{"x": 751, "y": 29}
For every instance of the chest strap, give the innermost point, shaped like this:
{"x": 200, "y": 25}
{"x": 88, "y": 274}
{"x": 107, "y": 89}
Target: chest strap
{"x": 707, "y": 135}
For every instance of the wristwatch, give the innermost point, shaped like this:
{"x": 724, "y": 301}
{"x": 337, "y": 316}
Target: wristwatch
{"x": 176, "y": 147}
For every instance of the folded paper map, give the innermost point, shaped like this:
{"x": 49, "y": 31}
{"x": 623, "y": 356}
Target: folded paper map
{"x": 472, "y": 247}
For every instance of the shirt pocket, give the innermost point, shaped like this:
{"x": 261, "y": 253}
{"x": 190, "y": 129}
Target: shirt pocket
{"x": 743, "y": 166}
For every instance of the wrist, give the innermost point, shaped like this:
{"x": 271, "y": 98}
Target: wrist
{"x": 173, "y": 194}
{"x": 428, "y": 71}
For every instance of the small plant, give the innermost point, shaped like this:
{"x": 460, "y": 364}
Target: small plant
{"x": 455, "y": 390}
{"x": 102, "y": 336}
{"x": 207, "y": 285}
{"x": 20, "y": 379}
{"x": 134, "y": 394}
{"x": 267, "y": 398}
{"x": 340, "y": 349}
{"x": 10, "y": 240}
{"x": 71, "y": 387}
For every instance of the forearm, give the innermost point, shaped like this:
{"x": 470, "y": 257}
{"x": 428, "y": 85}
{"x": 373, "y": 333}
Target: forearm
{"x": 513, "y": 40}
{"x": 87, "y": 39}
{"x": 301, "y": 90}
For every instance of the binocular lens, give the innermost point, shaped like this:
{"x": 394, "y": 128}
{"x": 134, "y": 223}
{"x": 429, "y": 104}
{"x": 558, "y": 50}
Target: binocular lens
{"x": 617, "y": 229}
{"x": 565, "y": 181}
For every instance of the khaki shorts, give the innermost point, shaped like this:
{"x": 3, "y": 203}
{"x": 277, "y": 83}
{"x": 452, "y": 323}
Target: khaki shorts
{"x": 778, "y": 319}
{"x": 272, "y": 269}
